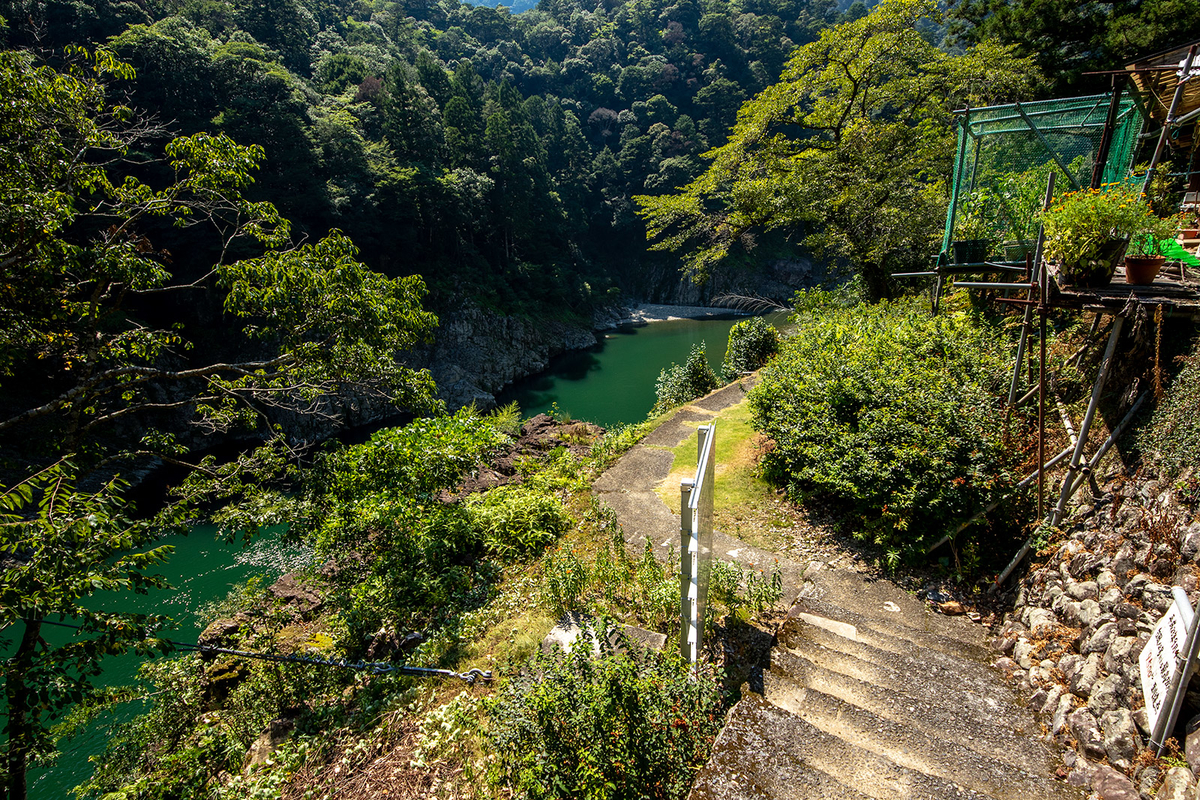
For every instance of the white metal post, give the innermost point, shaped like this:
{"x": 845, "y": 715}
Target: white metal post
{"x": 695, "y": 546}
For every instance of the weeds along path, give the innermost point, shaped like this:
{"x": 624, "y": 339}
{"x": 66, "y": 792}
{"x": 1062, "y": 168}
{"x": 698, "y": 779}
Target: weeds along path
{"x": 867, "y": 694}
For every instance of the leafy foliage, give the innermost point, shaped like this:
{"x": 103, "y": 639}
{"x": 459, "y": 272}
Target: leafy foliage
{"x": 891, "y": 412}
{"x": 744, "y": 591}
{"x": 494, "y": 152}
{"x": 849, "y": 147}
{"x": 411, "y": 559}
{"x": 515, "y": 521}
{"x": 630, "y": 723}
{"x": 185, "y": 742}
{"x": 1067, "y": 40}
{"x": 61, "y": 547}
{"x": 752, "y": 342}
{"x": 98, "y": 369}
{"x": 678, "y": 384}
{"x": 566, "y": 577}
{"x": 1082, "y": 226}
{"x": 1172, "y": 436}
{"x": 97, "y": 365}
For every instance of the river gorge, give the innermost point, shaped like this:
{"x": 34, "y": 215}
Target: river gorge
{"x": 610, "y": 382}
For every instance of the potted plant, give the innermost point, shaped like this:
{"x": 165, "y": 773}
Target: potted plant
{"x": 1088, "y": 231}
{"x": 1145, "y": 258}
{"x": 1191, "y": 225}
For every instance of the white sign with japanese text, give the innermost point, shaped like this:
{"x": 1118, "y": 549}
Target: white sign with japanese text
{"x": 1159, "y": 660}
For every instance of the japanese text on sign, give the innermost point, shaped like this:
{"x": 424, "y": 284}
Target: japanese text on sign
{"x": 1159, "y": 660}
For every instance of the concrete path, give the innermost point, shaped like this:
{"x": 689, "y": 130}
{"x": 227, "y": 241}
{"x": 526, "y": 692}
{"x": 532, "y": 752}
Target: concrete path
{"x": 869, "y": 694}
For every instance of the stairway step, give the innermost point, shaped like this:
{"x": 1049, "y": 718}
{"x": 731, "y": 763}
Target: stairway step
{"x": 880, "y": 602}
{"x": 879, "y": 648}
{"x": 922, "y": 710}
{"x": 766, "y": 753}
{"x": 959, "y": 688}
{"x": 747, "y": 763}
{"x": 877, "y": 632}
{"x": 942, "y": 756}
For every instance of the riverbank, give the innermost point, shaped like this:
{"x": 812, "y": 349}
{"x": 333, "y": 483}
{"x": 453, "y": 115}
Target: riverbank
{"x": 646, "y": 313}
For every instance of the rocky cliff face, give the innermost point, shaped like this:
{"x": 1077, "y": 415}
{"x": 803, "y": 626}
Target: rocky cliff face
{"x": 477, "y": 352}
{"x": 776, "y": 280}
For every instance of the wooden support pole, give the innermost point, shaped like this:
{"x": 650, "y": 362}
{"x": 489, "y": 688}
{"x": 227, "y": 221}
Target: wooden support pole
{"x": 1027, "y": 321}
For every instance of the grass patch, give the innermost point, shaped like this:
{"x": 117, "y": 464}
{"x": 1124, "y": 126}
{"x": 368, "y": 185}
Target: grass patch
{"x": 745, "y": 505}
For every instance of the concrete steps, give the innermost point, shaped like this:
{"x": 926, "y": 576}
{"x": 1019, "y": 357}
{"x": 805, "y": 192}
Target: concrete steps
{"x": 870, "y": 695}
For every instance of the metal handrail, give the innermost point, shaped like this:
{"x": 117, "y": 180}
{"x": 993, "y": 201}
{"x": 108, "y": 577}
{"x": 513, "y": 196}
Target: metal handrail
{"x": 701, "y": 469}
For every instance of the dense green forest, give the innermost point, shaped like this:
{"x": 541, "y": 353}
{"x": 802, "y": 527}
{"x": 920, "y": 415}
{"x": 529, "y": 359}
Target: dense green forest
{"x": 497, "y": 153}
{"x": 493, "y": 153}
{"x": 1069, "y": 39}
{"x": 153, "y": 150}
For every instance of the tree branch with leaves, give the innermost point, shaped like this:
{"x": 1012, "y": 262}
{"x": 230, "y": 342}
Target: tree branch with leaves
{"x": 96, "y": 376}
{"x": 849, "y": 151}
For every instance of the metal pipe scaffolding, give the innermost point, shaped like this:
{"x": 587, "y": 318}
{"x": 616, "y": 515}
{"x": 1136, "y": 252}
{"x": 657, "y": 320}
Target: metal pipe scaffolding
{"x": 1068, "y": 485}
{"x": 1037, "y": 268}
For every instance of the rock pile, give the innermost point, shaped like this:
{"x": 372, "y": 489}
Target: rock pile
{"x": 1080, "y": 621}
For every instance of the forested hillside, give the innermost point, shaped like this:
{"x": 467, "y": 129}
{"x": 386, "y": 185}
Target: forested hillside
{"x": 1069, "y": 39}
{"x": 493, "y": 153}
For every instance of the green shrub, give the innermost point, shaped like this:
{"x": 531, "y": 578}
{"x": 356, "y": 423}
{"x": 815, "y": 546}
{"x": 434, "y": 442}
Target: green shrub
{"x": 1173, "y": 433}
{"x": 409, "y": 558}
{"x": 614, "y": 443}
{"x": 630, "y": 724}
{"x": 416, "y": 460}
{"x": 679, "y": 384}
{"x": 516, "y": 520}
{"x": 506, "y": 419}
{"x": 891, "y": 411}
{"x": 752, "y": 342}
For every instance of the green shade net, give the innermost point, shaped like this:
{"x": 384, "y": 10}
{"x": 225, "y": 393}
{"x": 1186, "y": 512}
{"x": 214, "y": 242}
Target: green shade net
{"x": 1174, "y": 251}
{"x": 1006, "y": 153}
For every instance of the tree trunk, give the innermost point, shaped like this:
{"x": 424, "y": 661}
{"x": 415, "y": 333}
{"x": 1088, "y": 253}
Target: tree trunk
{"x": 876, "y": 282}
{"x": 20, "y": 725}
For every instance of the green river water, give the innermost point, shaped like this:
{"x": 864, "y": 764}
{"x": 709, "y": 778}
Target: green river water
{"x": 614, "y": 382}
{"x": 201, "y": 570}
{"x": 609, "y": 384}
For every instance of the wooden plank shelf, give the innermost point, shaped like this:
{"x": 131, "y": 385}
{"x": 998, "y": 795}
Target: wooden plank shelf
{"x": 1179, "y": 295}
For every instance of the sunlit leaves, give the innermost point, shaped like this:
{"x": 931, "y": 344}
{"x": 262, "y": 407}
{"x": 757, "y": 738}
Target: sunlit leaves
{"x": 59, "y": 547}
{"x": 842, "y": 150}
{"x": 890, "y": 412}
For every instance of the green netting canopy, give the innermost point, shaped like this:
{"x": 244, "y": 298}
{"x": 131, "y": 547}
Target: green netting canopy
{"x": 1006, "y": 153}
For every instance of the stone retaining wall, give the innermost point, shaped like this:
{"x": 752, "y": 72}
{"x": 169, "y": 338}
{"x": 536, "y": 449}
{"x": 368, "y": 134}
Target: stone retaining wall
{"x": 1082, "y": 615}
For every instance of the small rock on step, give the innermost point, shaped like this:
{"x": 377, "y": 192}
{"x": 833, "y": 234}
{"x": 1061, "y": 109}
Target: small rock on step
{"x": 1121, "y": 740}
{"x": 1107, "y": 694}
{"x": 1062, "y": 712}
{"x": 1085, "y": 730}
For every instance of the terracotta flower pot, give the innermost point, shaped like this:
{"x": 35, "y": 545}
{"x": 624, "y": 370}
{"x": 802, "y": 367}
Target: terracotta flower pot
{"x": 1141, "y": 270}
{"x": 1190, "y": 233}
